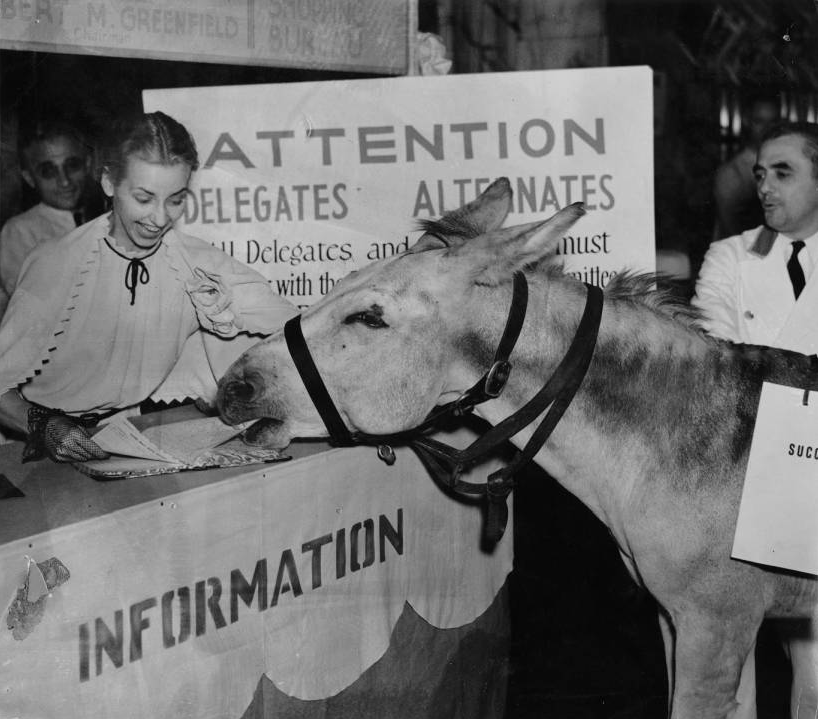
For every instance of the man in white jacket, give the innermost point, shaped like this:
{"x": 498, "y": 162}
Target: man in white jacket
{"x": 760, "y": 288}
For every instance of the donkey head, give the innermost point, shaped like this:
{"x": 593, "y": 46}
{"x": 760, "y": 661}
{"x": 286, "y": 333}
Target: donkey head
{"x": 402, "y": 334}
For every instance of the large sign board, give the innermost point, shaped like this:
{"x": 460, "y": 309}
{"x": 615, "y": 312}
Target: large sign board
{"x": 308, "y": 181}
{"x": 355, "y": 35}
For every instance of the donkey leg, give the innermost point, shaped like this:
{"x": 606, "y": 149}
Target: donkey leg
{"x": 804, "y": 695}
{"x": 746, "y": 694}
{"x": 669, "y": 640}
{"x": 711, "y": 652}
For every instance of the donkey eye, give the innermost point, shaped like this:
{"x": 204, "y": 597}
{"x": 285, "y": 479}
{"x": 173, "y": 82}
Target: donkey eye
{"x": 371, "y": 318}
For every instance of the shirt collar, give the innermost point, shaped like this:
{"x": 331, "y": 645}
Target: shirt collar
{"x": 784, "y": 243}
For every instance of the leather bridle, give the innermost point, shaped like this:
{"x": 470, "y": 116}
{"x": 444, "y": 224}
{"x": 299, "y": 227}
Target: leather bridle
{"x": 446, "y": 463}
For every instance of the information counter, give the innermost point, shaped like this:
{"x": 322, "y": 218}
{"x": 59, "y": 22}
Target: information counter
{"x": 329, "y": 585}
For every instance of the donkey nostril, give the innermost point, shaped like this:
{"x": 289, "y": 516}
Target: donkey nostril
{"x": 240, "y": 390}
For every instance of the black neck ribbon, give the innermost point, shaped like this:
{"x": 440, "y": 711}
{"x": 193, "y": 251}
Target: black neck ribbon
{"x": 136, "y": 273}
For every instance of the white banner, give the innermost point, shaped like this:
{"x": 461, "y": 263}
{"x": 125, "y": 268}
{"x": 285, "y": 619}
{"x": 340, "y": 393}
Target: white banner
{"x": 307, "y": 181}
{"x": 176, "y": 607}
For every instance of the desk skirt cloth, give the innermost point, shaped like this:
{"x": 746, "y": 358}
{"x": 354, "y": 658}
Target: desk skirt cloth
{"x": 329, "y": 586}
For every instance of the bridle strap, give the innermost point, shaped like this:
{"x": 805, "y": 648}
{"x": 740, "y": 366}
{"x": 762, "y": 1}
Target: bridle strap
{"x": 316, "y": 388}
{"x": 555, "y": 396}
{"x": 492, "y": 383}
{"x": 489, "y": 386}
{"x": 445, "y": 463}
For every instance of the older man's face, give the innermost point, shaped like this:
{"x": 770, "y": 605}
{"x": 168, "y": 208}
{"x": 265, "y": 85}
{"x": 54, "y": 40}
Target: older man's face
{"x": 786, "y": 187}
{"x": 58, "y": 169}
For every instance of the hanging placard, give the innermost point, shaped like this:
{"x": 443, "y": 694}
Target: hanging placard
{"x": 778, "y": 516}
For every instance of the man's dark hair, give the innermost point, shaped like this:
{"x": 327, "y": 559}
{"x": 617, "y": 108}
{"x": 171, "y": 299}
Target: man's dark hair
{"x": 807, "y": 130}
{"x": 39, "y": 130}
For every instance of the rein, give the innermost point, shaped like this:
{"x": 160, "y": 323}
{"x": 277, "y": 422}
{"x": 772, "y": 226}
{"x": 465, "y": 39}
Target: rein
{"x": 446, "y": 463}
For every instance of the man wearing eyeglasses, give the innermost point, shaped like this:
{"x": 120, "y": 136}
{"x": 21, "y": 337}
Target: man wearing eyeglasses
{"x": 56, "y": 163}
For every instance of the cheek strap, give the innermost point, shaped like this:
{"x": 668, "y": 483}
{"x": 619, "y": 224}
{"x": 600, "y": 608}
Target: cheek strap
{"x": 297, "y": 345}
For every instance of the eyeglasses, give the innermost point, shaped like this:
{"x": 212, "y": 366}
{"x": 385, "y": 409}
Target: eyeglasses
{"x": 51, "y": 171}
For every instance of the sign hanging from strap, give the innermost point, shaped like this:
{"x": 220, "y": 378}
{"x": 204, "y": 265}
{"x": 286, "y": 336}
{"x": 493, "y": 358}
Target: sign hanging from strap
{"x": 779, "y": 505}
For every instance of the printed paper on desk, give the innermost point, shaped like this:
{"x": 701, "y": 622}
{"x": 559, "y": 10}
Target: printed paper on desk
{"x": 177, "y": 442}
{"x": 778, "y": 516}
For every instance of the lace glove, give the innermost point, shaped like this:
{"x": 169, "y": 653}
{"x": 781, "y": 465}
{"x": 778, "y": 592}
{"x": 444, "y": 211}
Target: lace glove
{"x": 54, "y": 434}
{"x": 213, "y": 301}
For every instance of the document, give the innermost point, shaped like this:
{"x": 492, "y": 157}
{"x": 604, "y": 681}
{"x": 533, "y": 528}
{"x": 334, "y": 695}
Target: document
{"x": 178, "y": 442}
{"x": 198, "y": 443}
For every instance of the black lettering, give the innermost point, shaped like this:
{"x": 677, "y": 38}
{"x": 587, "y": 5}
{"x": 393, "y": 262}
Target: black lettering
{"x": 467, "y": 129}
{"x": 168, "y": 640}
{"x": 597, "y": 142}
{"x": 343, "y": 210}
{"x": 389, "y": 533}
{"x": 526, "y": 145}
{"x": 242, "y": 201}
{"x": 287, "y": 564}
{"x": 184, "y": 613}
{"x": 139, "y": 624}
{"x": 275, "y": 138}
{"x": 603, "y": 180}
{"x": 340, "y": 553}
{"x": 85, "y": 653}
{"x": 213, "y": 602}
{"x": 111, "y": 643}
{"x": 434, "y": 148}
{"x": 226, "y": 148}
{"x": 326, "y": 135}
{"x": 239, "y": 587}
{"x": 314, "y": 546}
{"x": 369, "y": 545}
{"x": 366, "y": 145}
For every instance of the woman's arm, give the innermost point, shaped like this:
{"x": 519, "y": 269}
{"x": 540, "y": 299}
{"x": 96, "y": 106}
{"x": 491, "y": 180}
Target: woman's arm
{"x": 14, "y": 411}
{"x": 49, "y": 432}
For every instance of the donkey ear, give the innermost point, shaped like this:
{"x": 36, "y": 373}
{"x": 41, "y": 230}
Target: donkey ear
{"x": 488, "y": 211}
{"x": 483, "y": 214}
{"x": 514, "y": 248}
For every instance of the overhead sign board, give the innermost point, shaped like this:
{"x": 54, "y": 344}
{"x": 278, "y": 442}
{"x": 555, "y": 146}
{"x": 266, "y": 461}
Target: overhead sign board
{"x": 308, "y": 181}
{"x": 353, "y": 35}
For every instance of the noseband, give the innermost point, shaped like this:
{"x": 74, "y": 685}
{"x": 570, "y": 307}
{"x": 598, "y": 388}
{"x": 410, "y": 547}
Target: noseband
{"x": 446, "y": 463}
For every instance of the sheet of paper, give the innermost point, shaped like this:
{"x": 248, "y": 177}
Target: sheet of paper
{"x": 187, "y": 440}
{"x": 779, "y": 504}
{"x": 119, "y": 436}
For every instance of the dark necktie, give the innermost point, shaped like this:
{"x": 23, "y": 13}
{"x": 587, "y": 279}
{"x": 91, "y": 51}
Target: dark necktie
{"x": 794, "y": 268}
{"x": 77, "y": 218}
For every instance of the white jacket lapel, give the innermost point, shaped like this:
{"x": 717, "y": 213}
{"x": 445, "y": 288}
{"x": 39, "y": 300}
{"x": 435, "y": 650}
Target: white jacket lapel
{"x": 800, "y": 330}
{"x": 766, "y": 298}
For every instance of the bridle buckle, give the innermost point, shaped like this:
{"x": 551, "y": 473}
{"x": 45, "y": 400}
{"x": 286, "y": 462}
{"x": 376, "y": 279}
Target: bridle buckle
{"x": 496, "y": 378}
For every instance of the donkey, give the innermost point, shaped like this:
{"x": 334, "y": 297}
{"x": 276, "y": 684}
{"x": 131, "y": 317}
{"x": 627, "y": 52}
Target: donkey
{"x": 655, "y": 441}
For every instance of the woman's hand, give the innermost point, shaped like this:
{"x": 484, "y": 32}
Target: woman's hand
{"x": 60, "y": 437}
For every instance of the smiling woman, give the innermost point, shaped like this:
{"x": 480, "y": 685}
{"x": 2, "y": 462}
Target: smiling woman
{"x": 126, "y": 308}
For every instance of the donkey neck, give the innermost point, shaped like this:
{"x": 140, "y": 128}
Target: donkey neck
{"x": 639, "y": 387}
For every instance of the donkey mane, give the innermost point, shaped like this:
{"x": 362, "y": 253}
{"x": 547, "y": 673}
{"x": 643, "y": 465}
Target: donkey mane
{"x": 639, "y": 288}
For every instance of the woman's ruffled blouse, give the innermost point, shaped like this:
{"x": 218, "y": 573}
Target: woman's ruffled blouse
{"x": 71, "y": 338}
